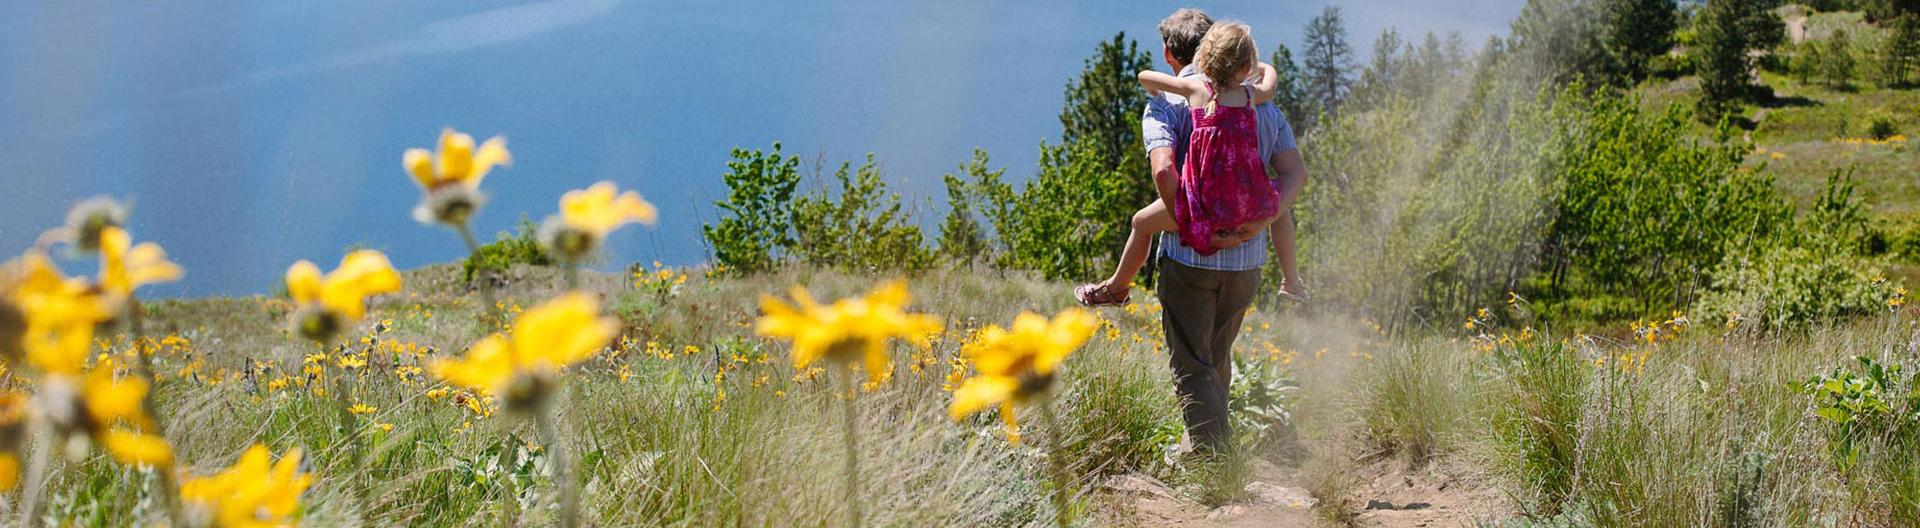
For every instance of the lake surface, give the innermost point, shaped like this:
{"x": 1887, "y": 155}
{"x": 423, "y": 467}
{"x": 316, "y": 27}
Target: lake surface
{"x": 252, "y": 134}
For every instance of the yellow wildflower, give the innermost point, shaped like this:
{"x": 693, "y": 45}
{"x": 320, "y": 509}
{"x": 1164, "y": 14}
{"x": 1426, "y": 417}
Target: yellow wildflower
{"x": 521, "y": 367}
{"x": 587, "y": 215}
{"x": 1018, "y": 363}
{"x": 849, "y": 330}
{"x": 451, "y": 179}
{"x": 254, "y": 492}
{"x": 135, "y": 448}
{"x": 361, "y": 408}
{"x": 13, "y": 424}
{"x": 54, "y": 315}
{"x": 339, "y": 297}
{"x": 124, "y": 266}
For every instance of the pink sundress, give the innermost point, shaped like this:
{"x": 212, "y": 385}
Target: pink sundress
{"x": 1223, "y": 183}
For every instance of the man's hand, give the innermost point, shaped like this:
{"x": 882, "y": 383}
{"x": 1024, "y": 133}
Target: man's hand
{"x": 1235, "y": 237}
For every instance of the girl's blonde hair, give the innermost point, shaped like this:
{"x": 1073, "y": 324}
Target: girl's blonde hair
{"x": 1225, "y": 53}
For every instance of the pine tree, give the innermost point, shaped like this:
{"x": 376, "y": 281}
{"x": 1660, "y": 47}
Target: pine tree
{"x": 1384, "y": 72}
{"x": 1558, "y": 40}
{"x": 1103, "y": 105}
{"x": 1636, "y": 32}
{"x": 1729, "y": 30}
{"x": 1329, "y": 62}
{"x": 1292, "y": 95}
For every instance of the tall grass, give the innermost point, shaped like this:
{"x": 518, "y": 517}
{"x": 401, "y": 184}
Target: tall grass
{"x": 1710, "y": 428}
{"x": 723, "y": 433}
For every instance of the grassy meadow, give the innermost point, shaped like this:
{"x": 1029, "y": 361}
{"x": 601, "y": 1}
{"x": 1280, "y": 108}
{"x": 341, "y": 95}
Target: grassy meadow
{"x": 1536, "y": 302}
{"x": 688, "y": 419}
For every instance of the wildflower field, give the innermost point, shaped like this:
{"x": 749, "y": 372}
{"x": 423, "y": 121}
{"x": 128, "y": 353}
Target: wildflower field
{"x": 690, "y": 397}
{"x": 1538, "y": 298}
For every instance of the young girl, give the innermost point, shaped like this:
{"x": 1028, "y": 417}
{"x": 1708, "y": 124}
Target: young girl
{"x": 1225, "y": 196}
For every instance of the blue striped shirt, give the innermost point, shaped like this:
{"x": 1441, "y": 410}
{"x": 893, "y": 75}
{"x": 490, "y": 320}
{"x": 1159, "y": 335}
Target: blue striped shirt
{"x": 1167, "y": 123}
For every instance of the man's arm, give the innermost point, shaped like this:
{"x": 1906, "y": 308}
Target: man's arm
{"x": 1156, "y": 131}
{"x": 1166, "y": 178}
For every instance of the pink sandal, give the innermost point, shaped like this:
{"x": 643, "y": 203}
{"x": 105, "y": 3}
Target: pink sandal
{"x": 1098, "y": 294}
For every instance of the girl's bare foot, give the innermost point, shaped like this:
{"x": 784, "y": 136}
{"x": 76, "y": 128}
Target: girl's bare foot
{"x": 1101, "y": 294}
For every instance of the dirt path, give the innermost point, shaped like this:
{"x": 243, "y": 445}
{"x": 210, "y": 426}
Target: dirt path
{"x": 1145, "y": 502}
{"x": 1381, "y": 496}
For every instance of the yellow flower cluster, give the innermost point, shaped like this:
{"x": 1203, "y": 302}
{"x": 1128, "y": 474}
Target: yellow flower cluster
{"x": 50, "y": 320}
{"x": 1871, "y": 142}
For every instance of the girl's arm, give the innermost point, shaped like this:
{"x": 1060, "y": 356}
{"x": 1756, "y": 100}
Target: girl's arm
{"x": 1268, "y": 84}
{"x": 1161, "y": 82}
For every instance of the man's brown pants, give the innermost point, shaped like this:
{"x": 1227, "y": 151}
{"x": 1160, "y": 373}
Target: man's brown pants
{"x": 1201, "y": 313}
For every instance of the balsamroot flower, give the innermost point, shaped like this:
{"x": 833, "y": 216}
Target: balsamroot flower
{"x": 111, "y": 410}
{"x": 849, "y": 330}
{"x": 58, "y": 314}
{"x": 13, "y": 425}
{"x": 1017, "y": 364}
{"x": 255, "y": 491}
{"x": 450, "y": 180}
{"x": 329, "y": 302}
{"x": 522, "y": 367}
{"x": 124, "y": 266}
{"x": 587, "y": 215}
{"x": 86, "y": 222}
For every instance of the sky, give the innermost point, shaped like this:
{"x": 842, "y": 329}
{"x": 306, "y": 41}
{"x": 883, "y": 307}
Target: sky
{"x": 248, "y": 135}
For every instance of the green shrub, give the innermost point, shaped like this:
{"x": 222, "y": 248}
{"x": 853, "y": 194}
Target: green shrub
{"x": 506, "y": 250}
{"x": 1537, "y": 428}
{"x": 859, "y": 227}
{"x": 1817, "y": 271}
{"x": 1644, "y": 209}
{"x": 1782, "y": 287}
{"x": 1870, "y": 415}
{"x": 1260, "y": 404}
{"x": 1882, "y": 127}
{"x": 760, "y": 189}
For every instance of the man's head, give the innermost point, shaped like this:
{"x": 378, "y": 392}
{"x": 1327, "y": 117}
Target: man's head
{"x": 1180, "y": 35}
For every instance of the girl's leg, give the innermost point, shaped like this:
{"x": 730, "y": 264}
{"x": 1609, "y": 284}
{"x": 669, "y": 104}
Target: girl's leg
{"x": 1283, "y": 248}
{"x": 1151, "y": 220}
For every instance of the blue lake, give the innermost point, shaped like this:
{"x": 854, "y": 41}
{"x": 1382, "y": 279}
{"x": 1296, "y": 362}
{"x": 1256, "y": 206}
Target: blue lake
{"x": 252, "y": 134}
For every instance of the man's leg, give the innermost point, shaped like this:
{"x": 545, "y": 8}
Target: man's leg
{"x": 1188, "y": 298}
{"x": 1237, "y": 290}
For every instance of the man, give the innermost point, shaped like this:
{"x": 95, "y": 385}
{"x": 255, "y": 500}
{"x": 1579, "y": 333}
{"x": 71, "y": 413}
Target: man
{"x": 1205, "y": 297}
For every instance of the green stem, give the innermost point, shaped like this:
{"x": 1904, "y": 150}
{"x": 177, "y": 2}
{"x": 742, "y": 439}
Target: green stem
{"x": 36, "y": 475}
{"x": 487, "y": 313}
{"x": 853, "y": 445}
{"x": 350, "y": 429}
{"x": 573, "y": 276}
{"x": 562, "y": 467}
{"x": 1062, "y": 515}
{"x": 169, "y": 490}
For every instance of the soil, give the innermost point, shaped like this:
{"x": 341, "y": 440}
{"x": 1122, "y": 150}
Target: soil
{"x": 1384, "y": 494}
